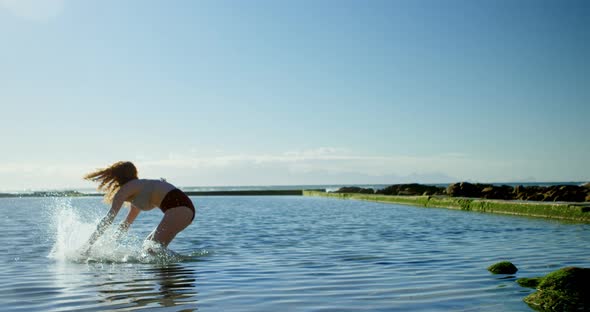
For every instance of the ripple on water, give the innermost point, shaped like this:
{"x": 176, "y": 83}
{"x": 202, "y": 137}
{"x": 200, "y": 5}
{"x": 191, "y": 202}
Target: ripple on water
{"x": 285, "y": 254}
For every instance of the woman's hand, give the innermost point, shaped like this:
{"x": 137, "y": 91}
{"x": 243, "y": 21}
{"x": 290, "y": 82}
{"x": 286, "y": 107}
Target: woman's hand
{"x": 84, "y": 251}
{"x": 122, "y": 230}
{"x": 106, "y": 221}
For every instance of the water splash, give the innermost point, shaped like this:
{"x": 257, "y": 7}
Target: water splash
{"x": 71, "y": 231}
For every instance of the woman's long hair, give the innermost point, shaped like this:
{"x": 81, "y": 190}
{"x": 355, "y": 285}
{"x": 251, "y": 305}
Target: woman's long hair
{"x": 111, "y": 178}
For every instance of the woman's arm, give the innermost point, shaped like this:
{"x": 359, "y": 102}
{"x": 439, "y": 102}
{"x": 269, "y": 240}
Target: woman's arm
{"x": 124, "y": 226}
{"x": 105, "y": 222}
{"x": 118, "y": 200}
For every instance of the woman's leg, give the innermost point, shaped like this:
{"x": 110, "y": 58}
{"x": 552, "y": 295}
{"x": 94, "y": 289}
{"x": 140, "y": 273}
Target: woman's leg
{"x": 174, "y": 220}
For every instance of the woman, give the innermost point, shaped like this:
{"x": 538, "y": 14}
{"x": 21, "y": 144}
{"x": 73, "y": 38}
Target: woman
{"x": 120, "y": 184}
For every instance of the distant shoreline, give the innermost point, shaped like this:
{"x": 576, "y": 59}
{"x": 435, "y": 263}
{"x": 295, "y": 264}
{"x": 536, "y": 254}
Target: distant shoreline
{"x": 189, "y": 193}
{"x": 564, "y": 210}
{"x": 261, "y": 190}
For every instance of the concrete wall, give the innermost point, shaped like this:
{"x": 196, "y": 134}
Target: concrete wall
{"x": 579, "y": 212}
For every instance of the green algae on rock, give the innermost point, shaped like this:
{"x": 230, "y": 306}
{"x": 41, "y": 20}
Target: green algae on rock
{"x": 529, "y": 282}
{"x": 567, "y": 289}
{"x": 504, "y": 267}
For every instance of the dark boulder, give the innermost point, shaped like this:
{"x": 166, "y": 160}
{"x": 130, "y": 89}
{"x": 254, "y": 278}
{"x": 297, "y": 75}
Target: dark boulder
{"x": 355, "y": 189}
{"x": 573, "y": 193}
{"x": 536, "y": 193}
{"x": 413, "y": 189}
{"x": 567, "y": 193}
{"x": 498, "y": 192}
{"x": 564, "y": 193}
{"x": 519, "y": 189}
{"x": 567, "y": 289}
{"x": 367, "y": 191}
{"x": 390, "y": 190}
{"x": 466, "y": 189}
{"x": 587, "y": 187}
{"x": 504, "y": 267}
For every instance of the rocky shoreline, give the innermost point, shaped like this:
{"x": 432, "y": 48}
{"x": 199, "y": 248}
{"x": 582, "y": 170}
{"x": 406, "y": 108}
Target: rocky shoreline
{"x": 556, "y": 193}
{"x": 570, "y": 211}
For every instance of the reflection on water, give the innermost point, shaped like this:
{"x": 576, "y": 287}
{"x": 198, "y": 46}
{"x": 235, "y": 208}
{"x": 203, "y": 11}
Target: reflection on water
{"x": 166, "y": 286}
{"x": 282, "y": 254}
{"x": 124, "y": 286}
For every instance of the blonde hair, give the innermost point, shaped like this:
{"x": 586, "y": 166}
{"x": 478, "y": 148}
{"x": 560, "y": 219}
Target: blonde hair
{"x": 113, "y": 177}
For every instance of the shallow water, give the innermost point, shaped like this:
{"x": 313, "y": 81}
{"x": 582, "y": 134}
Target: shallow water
{"x": 279, "y": 254}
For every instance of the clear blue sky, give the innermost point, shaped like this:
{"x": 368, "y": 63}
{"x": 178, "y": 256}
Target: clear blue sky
{"x": 294, "y": 92}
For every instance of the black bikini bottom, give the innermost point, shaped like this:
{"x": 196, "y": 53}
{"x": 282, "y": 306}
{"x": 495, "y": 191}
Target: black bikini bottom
{"x": 177, "y": 198}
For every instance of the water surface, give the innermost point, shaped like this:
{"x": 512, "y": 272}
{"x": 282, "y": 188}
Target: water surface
{"x": 280, "y": 254}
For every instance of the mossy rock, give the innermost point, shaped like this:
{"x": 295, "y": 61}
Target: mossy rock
{"x": 504, "y": 267}
{"x": 529, "y": 282}
{"x": 567, "y": 289}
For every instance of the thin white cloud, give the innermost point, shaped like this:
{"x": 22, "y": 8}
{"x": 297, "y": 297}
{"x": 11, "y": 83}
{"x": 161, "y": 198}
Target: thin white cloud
{"x": 18, "y": 176}
{"x": 324, "y": 165}
{"x": 26, "y": 167}
{"x": 34, "y": 10}
{"x": 335, "y": 161}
